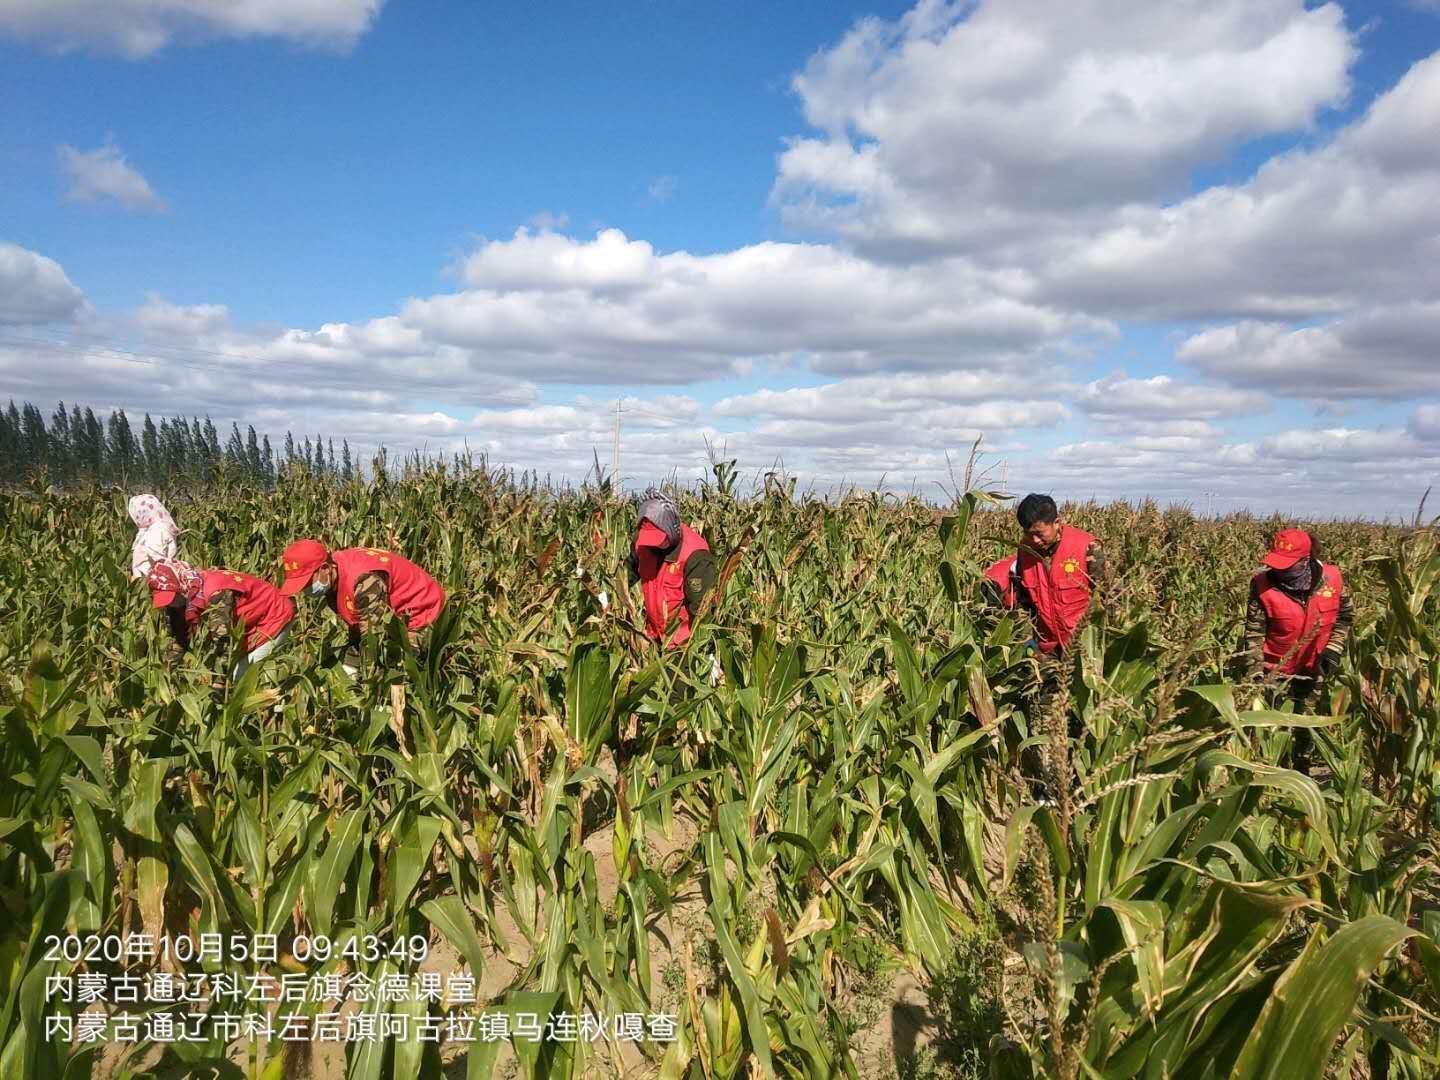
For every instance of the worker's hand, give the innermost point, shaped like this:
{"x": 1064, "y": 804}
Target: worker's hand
{"x": 1329, "y": 663}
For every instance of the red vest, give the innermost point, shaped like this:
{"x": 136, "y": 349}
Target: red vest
{"x": 1061, "y": 595}
{"x": 414, "y": 595}
{"x": 999, "y": 573}
{"x": 1289, "y": 624}
{"x": 663, "y": 584}
{"x": 262, "y": 611}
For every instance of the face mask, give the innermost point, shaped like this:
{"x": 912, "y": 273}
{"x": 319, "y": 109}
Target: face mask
{"x": 318, "y": 588}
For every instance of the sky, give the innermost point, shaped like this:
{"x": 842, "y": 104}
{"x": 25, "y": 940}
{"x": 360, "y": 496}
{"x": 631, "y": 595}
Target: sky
{"x": 1185, "y": 251}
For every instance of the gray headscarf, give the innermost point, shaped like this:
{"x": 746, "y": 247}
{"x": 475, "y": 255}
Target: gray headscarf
{"x": 660, "y": 510}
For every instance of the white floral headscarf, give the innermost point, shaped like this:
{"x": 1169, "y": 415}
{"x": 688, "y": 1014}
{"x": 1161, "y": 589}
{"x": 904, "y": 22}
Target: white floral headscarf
{"x": 156, "y": 536}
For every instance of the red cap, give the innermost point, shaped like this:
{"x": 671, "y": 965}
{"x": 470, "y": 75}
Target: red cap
{"x": 164, "y": 585}
{"x": 302, "y": 559}
{"x": 1290, "y": 546}
{"x": 651, "y": 535}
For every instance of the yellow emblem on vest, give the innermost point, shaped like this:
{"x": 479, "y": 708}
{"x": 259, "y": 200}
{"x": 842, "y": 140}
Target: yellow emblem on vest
{"x": 1327, "y": 592}
{"x": 349, "y": 605}
{"x": 1071, "y": 565}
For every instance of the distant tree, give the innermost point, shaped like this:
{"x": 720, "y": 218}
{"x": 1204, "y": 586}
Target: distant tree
{"x": 62, "y": 446}
{"x": 289, "y": 448}
{"x": 121, "y": 448}
{"x": 305, "y": 454}
{"x": 154, "y": 466}
{"x": 254, "y": 463}
{"x": 347, "y": 469}
{"x": 174, "y": 441}
{"x": 10, "y": 442}
{"x": 33, "y": 438}
{"x": 235, "y": 450}
{"x": 330, "y": 468}
{"x": 93, "y": 463}
{"x": 198, "y": 465}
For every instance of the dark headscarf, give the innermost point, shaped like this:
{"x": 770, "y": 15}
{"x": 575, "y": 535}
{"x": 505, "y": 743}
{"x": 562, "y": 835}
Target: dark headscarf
{"x": 660, "y": 510}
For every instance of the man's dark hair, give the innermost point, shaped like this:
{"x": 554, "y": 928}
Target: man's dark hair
{"x": 1035, "y": 508}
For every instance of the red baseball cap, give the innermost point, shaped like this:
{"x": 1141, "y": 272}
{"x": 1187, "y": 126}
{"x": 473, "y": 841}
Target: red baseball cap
{"x": 651, "y": 535}
{"x": 1290, "y": 546}
{"x": 302, "y": 559}
{"x": 164, "y": 585}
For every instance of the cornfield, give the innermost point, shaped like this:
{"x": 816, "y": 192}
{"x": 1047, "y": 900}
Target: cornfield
{"x": 843, "y": 786}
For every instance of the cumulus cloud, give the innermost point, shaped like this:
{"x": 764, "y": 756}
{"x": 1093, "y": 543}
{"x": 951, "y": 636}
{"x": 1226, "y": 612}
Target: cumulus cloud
{"x": 1425, "y": 423}
{"x": 1163, "y": 407}
{"x": 980, "y": 127}
{"x": 141, "y": 28}
{"x": 34, "y": 289}
{"x": 104, "y": 174}
{"x": 1315, "y": 231}
{"x": 549, "y": 221}
{"x": 170, "y": 358}
{"x": 1386, "y": 352}
{"x": 1322, "y": 473}
{"x": 614, "y": 308}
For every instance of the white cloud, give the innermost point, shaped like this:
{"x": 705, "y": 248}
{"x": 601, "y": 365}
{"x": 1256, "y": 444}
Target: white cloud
{"x": 1163, "y": 407}
{"x": 663, "y": 188}
{"x": 103, "y": 173}
{"x": 140, "y": 28}
{"x": 1385, "y": 352}
{"x": 34, "y": 289}
{"x": 549, "y": 221}
{"x": 1425, "y": 423}
{"x": 614, "y": 309}
{"x": 1353, "y": 222}
{"x": 1324, "y": 473}
{"x": 863, "y": 399}
{"x": 982, "y": 127}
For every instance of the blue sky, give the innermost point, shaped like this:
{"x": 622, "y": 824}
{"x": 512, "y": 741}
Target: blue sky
{"x": 847, "y": 236}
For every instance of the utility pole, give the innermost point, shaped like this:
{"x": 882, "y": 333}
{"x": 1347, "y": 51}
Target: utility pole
{"x": 615, "y": 456}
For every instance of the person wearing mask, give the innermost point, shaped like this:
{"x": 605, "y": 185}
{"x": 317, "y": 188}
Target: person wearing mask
{"x": 212, "y": 603}
{"x": 156, "y": 536}
{"x": 674, "y": 567}
{"x": 1297, "y": 620}
{"x": 364, "y": 586}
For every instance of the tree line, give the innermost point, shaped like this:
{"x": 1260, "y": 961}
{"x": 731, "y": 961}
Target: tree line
{"x": 77, "y": 446}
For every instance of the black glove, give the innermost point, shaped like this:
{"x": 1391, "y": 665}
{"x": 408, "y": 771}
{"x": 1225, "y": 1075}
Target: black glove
{"x": 1329, "y": 663}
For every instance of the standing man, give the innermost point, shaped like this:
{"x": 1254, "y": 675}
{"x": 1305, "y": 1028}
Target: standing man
{"x": 216, "y": 601}
{"x": 1057, "y": 571}
{"x": 674, "y": 566}
{"x": 362, "y": 586}
{"x": 1296, "y": 622}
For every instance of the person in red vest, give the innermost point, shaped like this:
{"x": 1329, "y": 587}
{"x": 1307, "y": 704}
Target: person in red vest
{"x": 674, "y": 566}
{"x": 217, "y": 601}
{"x": 998, "y": 583}
{"x": 1058, "y": 569}
{"x": 363, "y": 586}
{"x": 1299, "y": 615}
